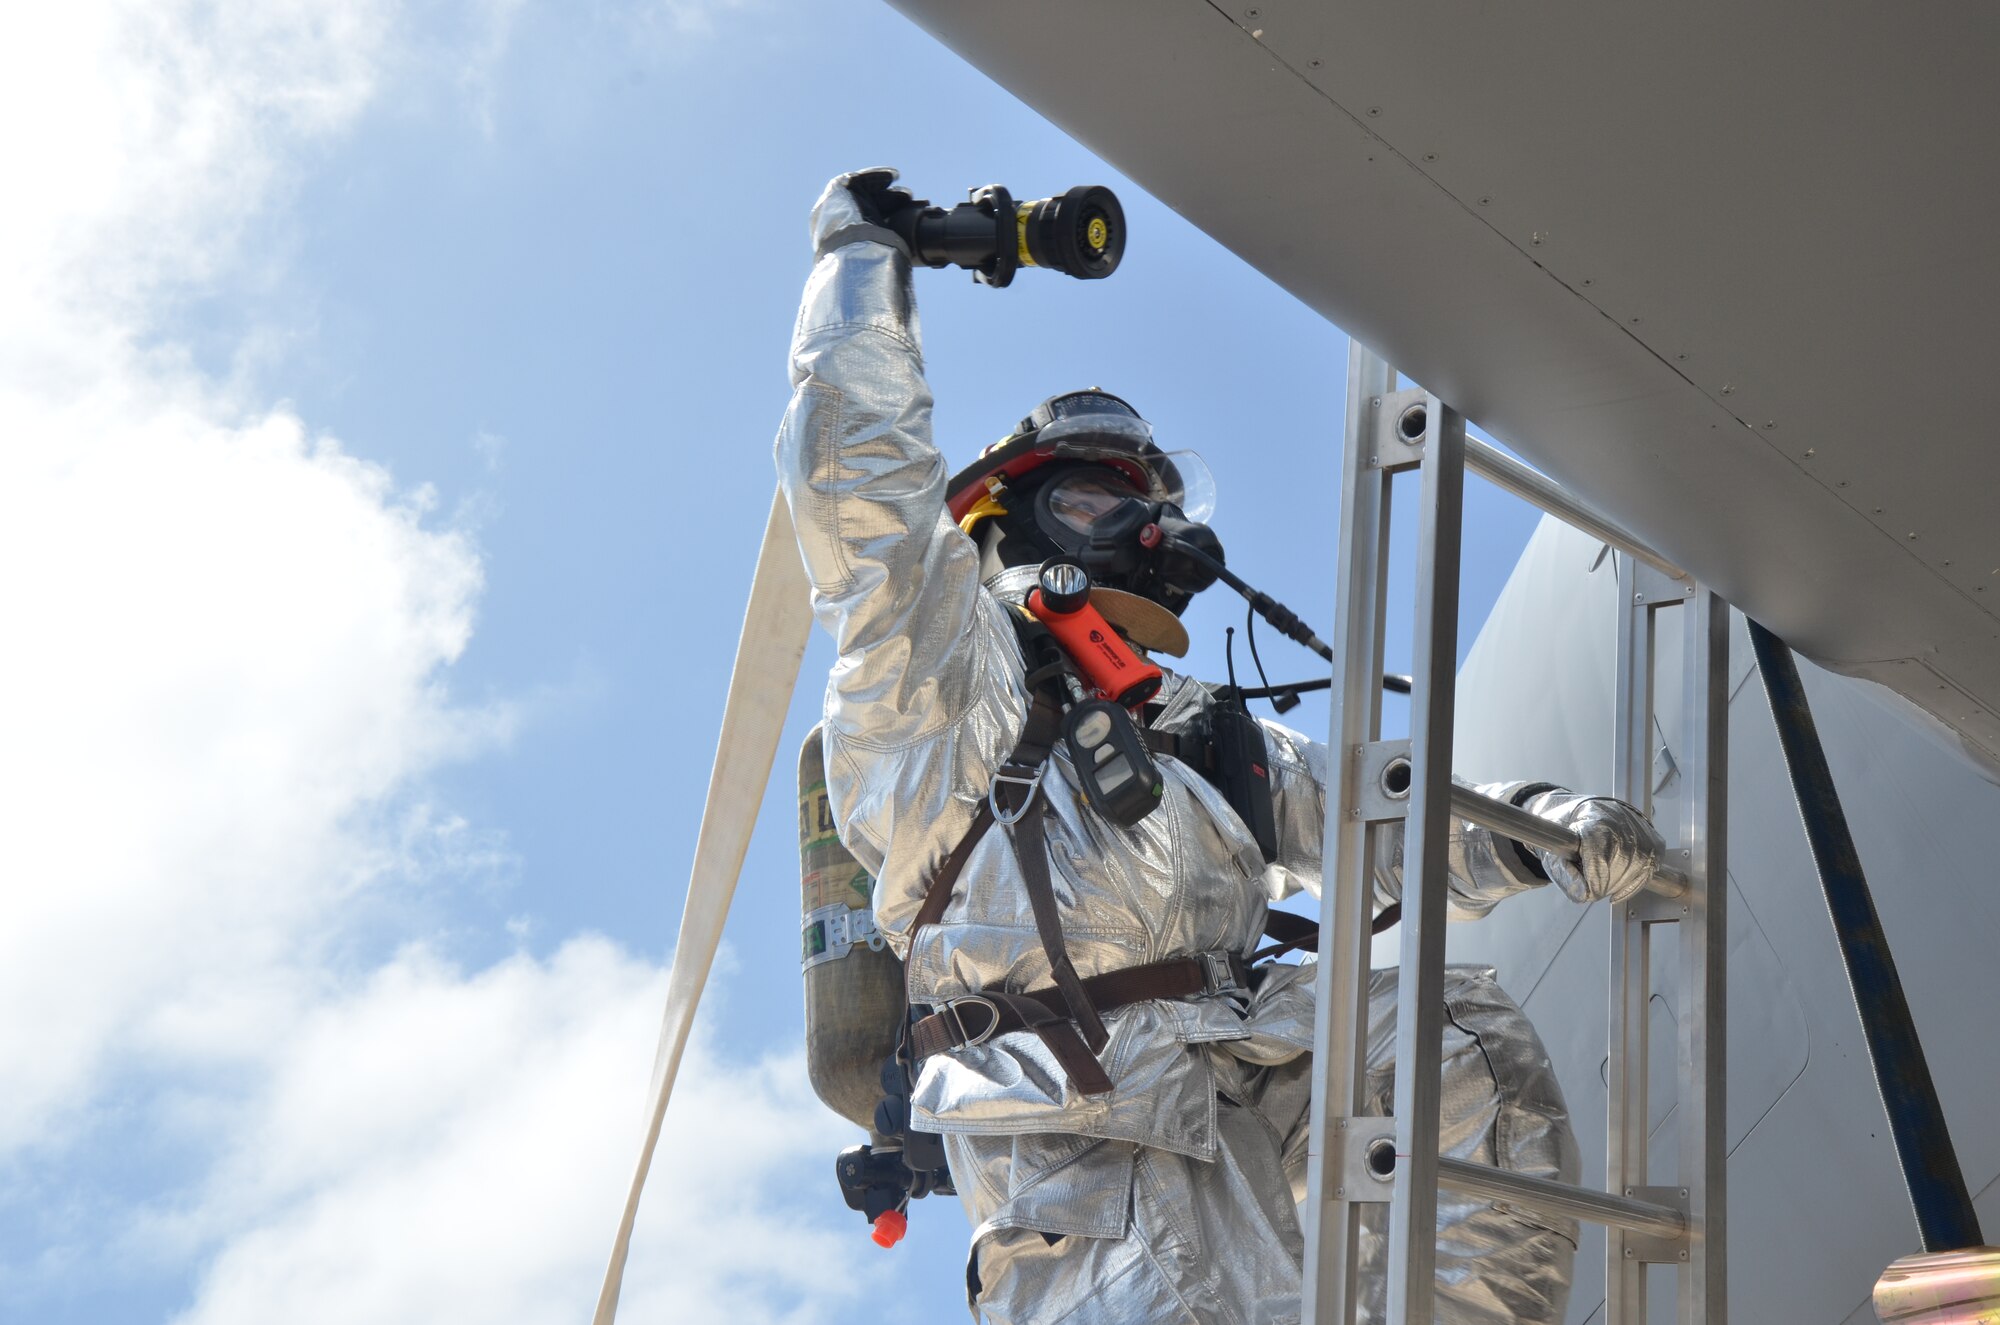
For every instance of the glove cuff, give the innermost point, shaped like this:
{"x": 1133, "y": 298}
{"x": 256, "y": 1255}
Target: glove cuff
{"x": 860, "y": 232}
{"x": 1531, "y": 859}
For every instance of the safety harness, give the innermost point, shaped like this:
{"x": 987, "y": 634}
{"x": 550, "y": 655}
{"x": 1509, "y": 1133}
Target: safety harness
{"x": 1067, "y": 1015}
{"x": 1228, "y": 749}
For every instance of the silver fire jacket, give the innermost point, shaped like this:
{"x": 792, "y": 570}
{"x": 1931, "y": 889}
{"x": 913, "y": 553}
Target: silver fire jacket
{"x": 927, "y": 700}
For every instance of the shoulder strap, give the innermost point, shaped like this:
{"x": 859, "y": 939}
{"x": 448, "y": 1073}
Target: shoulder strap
{"x": 1076, "y": 1053}
{"x": 1015, "y": 779}
{"x": 938, "y": 897}
{"x": 1031, "y": 849}
{"x": 1039, "y": 735}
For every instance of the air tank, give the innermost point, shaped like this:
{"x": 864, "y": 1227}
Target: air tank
{"x": 854, "y": 984}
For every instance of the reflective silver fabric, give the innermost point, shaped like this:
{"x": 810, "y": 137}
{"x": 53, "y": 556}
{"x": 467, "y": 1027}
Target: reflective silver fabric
{"x": 1619, "y": 849}
{"x": 927, "y": 700}
{"x": 1151, "y": 1236}
{"x": 1482, "y": 870}
{"x": 1501, "y": 1106}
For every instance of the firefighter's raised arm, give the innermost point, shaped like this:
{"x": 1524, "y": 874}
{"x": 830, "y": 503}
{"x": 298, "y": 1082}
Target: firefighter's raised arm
{"x": 894, "y": 582}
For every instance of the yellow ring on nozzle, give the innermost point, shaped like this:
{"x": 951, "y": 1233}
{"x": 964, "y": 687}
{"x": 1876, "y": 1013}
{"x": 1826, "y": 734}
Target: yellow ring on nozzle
{"x": 1021, "y": 211}
{"x": 1098, "y": 234}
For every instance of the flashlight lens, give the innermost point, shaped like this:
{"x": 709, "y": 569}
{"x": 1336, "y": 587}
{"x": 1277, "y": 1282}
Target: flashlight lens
{"x": 1065, "y": 585}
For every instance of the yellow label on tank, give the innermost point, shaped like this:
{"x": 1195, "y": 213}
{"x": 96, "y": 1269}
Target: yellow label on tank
{"x": 827, "y": 873}
{"x": 816, "y": 826}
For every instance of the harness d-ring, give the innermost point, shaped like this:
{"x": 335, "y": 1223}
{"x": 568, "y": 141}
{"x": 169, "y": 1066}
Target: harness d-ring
{"x": 1032, "y": 782}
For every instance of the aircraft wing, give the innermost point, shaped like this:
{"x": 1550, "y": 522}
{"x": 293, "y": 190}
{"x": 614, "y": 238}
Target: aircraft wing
{"x": 1726, "y": 270}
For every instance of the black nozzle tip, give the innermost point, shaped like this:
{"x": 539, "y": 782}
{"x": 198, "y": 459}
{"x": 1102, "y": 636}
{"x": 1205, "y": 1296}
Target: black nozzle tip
{"x": 1080, "y": 233}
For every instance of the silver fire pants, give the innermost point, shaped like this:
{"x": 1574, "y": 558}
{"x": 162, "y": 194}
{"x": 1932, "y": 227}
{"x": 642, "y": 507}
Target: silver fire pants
{"x": 1085, "y": 1231}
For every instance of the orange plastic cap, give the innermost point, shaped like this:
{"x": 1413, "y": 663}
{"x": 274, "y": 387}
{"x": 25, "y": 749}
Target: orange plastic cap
{"x": 890, "y": 1227}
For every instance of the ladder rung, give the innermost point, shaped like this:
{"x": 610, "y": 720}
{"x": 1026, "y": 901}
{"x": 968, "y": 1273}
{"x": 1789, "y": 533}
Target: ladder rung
{"x": 1537, "y": 489}
{"x": 1535, "y": 831}
{"x": 1559, "y": 1198}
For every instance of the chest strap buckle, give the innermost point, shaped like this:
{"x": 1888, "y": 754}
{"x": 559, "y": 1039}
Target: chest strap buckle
{"x": 1222, "y": 973}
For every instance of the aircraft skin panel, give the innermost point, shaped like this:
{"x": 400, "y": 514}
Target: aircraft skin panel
{"x": 1663, "y": 252}
{"x": 1816, "y": 1203}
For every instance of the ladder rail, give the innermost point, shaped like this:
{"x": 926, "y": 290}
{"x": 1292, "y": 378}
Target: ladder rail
{"x": 1412, "y": 1265}
{"x": 1679, "y": 1225}
{"x": 1332, "y": 1223}
{"x": 1703, "y": 932}
{"x": 1628, "y": 1039}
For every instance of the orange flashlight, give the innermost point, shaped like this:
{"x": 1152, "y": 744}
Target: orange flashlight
{"x": 1061, "y": 602}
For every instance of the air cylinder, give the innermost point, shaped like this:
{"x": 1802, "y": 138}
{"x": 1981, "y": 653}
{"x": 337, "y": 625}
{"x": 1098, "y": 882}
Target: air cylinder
{"x": 854, "y": 983}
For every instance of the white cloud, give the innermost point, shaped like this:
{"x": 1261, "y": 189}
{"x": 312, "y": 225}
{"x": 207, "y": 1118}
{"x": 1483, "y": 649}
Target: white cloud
{"x": 143, "y": 136}
{"x": 227, "y": 643}
{"x": 224, "y": 634}
{"x": 440, "y": 1146}
{"x": 225, "y": 647}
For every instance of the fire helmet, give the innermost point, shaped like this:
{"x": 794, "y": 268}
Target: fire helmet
{"x": 1081, "y": 477}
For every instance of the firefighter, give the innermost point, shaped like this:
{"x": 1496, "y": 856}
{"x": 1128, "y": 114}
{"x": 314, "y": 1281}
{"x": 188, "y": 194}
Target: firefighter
{"x": 1122, "y": 1100}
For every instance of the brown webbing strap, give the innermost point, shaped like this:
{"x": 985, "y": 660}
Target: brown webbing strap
{"x": 939, "y": 895}
{"x": 1180, "y": 977}
{"x": 1077, "y": 1053}
{"x": 1031, "y": 849}
{"x": 1039, "y": 734}
{"x": 1295, "y": 931}
{"x": 1290, "y": 929}
{"x": 1077, "y": 1060}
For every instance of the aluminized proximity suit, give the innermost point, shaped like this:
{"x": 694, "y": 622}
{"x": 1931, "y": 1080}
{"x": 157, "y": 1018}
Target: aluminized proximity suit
{"x": 1172, "y": 1197}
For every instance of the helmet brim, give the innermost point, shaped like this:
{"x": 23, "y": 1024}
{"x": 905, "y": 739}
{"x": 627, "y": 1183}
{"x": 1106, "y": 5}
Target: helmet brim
{"x": 1179, "y": 477}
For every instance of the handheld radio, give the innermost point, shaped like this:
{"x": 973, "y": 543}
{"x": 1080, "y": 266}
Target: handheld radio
{"x": 1114, "y": 769}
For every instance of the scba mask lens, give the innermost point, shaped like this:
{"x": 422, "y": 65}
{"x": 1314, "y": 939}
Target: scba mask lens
{"x": 1075, "y": 502}
{"x": 1180, "y": 478}
{"x": 1125, "y": 539}
{"x": 1125, "y": 444}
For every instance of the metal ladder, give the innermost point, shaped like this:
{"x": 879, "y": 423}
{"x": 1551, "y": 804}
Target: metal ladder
{"x": 1356, "y": 1161}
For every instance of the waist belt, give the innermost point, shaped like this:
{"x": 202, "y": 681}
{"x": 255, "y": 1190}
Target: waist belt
{"x": 977, "y": 1018}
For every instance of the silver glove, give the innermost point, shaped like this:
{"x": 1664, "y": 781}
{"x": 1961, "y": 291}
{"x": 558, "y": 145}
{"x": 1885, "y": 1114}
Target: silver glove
{"x": 1617, "y": 849}
{"x": 852, "y": 209}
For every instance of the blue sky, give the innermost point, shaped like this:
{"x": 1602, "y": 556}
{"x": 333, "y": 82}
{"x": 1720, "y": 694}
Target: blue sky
{"x": 391, "y": 392}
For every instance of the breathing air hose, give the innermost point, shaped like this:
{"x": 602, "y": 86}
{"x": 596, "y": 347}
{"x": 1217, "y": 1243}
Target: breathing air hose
{"x": 1283, "y": 619}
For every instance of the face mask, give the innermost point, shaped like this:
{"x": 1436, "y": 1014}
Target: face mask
{"x": 1096, "y": 515}
{"x": 1130, "y": 547}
